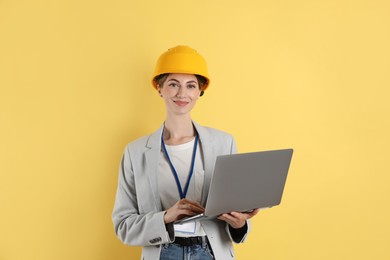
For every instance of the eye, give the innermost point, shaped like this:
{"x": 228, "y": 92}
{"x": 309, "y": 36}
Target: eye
{"x": 173, "y": 84}
{"x": 191, "y": 86}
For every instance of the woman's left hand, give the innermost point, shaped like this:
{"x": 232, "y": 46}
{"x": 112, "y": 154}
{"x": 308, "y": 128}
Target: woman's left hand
{"x": 238, "y": 219}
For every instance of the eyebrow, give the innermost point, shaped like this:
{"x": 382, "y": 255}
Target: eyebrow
{"x": 191, "y": 81}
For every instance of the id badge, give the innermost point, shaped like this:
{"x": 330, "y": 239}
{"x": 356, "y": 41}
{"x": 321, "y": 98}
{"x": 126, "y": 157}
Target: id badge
{"x": 188, "y": 228}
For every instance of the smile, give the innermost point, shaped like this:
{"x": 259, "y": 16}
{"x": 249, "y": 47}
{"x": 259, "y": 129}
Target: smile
{"x": 181, "y": 103}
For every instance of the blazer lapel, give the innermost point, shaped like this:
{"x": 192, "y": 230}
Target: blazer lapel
{"x": 208, "y": 153}
{"x": 151, "y": 163}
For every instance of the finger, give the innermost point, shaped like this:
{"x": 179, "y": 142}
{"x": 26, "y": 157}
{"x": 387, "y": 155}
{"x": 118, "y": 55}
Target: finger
{"x": 232, "y": 221}
{"x": 193, "y": 203}
{"x": 229, "y": 217}
{"x": 253, "y": 213}
{"x": 224, "y": 218}
{"x": 238, "y": 215}
{"x": 246, "y": 215}
{"x": 187, "y": 210}
{"x": 195, "y": 208}
{"x": 187, "y": 204}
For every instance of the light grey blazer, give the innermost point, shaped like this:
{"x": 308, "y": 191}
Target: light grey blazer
{"x": 138, "y": 216}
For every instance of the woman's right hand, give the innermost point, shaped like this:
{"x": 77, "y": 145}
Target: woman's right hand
{"x": 182, "y": 208}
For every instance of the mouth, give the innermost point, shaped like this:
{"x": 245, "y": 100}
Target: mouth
{"x": 181, "y": 103}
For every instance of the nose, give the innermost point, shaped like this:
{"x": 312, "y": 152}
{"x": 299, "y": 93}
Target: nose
{"x": 180, "y": 92}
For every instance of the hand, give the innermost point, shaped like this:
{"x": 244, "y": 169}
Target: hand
{"x": 181, "y": 209}
{"x": 238, "y": 219}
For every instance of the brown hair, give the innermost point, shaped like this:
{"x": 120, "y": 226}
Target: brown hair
{"x": 160, "y": 79}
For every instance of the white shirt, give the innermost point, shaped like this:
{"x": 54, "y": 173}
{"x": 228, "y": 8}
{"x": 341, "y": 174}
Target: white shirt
{"x": 181, "y": 158}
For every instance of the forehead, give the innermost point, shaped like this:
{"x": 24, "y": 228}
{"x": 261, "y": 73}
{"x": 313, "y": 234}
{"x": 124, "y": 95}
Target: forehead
{"x": 182, "y": 77}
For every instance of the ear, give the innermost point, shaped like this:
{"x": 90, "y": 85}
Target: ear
{"x": 159, "y": 90}
{"x": 201, "y": 93}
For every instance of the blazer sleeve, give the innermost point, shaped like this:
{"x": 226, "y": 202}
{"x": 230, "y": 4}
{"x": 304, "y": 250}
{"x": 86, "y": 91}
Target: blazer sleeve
{"x": 132, "y": 226}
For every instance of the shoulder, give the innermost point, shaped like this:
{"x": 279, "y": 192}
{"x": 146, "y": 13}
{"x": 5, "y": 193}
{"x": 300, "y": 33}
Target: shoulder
{"x": 220, "y": 141}
{"x": 145, "y": 142}
{"x": 216, "y": 133}
{"x": 138, "y": 143}
{"x": 210, "y": 134}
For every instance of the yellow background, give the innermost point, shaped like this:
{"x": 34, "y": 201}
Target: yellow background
{"x": 311, "y": 75}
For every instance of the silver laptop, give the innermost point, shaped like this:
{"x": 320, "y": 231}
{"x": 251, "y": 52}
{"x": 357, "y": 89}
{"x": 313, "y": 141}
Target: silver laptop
{"x": 246, "y": 181}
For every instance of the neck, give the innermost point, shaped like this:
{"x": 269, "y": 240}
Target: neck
{"x": 178, "y": 130}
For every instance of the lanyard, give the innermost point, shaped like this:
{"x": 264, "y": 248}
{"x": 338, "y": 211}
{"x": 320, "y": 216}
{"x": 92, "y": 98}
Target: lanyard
{"x": 181, "y": 192}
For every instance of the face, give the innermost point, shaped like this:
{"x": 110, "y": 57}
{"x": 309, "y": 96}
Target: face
{"x": 180, "y": 93}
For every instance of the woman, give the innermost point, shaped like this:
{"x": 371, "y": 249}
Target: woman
{"x": 165, "y": 176}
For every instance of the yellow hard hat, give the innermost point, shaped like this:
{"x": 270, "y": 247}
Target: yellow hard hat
{"x": 181, "y": 59}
